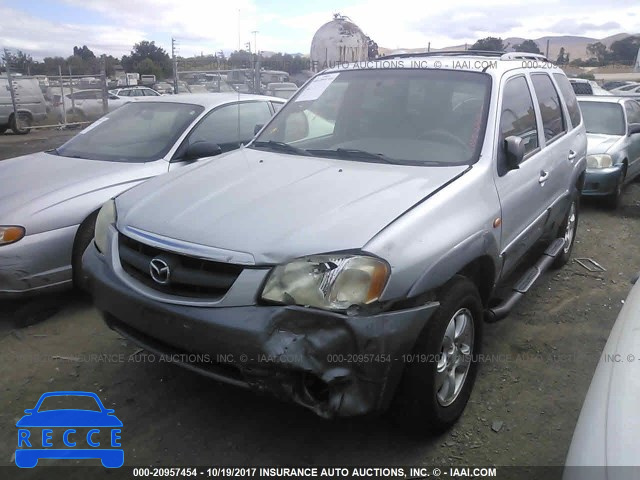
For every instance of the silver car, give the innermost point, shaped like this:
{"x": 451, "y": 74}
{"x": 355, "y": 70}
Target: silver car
{"x": 49, "y": 200}
{"x": 348, "y": 266}
{"x": 613, "y": 151}
{"x": 605, "y": 439}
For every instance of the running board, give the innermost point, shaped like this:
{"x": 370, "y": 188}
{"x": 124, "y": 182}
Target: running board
{"x": 524, "y": 284}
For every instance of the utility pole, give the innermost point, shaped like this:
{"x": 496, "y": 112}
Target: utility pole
{"x": 547, "y": 52}
{"x": 175, "y": 65}
{"x": 255, "y": 41}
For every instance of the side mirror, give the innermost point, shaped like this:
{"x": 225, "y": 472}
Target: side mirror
{"x": 257, "y": 128}
{"x": 201, "y": 150}
{"x": 634, "y": 128}
{"x": 514, "y": 151}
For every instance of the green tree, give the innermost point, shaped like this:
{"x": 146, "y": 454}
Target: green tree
{"x": 18, "y": 62}
{"x": 563, "y": 58}
{"x": 84, "y": 52}
{"x": 625, "y": 51}
{"x": 528, "y": 46}
{"x": 492, "y": 44}
{"x": 599, "y": 51}
{"x": 148, "y": 50}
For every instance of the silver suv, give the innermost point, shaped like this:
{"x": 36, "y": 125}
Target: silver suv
{"x": 347, "y": 257}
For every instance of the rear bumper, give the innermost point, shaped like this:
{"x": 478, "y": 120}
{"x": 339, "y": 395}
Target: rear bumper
{"x": 333, "y": 364}
{"x": 37, "y": 263}
{"x": 601, "y": 181}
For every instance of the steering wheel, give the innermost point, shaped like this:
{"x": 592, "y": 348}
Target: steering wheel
{"x": 440, "y": 134}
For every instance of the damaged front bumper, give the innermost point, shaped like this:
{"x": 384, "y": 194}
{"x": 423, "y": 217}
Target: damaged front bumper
{"x": 333, "y": 364}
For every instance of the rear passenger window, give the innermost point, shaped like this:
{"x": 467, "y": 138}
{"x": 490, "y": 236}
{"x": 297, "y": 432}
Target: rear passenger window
{"x": 550, "y": 107}
{"x": 518, "y": 116}
{"x": 633, "y": 111}
{"x": 569, "y": 98}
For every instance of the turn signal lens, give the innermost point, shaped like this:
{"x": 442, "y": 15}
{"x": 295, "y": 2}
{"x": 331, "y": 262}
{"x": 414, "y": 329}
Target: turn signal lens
{"x": 11, "y": 234}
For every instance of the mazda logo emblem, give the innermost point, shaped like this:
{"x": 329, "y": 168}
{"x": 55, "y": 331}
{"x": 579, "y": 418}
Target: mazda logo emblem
{"x": 160, "y": 271}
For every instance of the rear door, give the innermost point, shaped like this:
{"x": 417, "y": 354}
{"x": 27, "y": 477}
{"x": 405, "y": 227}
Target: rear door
{"x": 559, "y": 145}
{"x": 523, "y": 197}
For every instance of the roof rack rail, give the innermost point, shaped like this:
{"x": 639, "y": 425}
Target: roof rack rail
{"x": 523, "y": 56}
{"x": 449, "y": 53}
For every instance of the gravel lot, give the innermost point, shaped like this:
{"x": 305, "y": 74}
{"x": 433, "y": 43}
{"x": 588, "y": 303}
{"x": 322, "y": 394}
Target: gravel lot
{"x": 538, "y": 365}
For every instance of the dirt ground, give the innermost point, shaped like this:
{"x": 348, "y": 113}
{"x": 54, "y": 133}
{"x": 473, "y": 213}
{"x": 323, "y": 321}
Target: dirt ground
{"x": 537, "y": 368}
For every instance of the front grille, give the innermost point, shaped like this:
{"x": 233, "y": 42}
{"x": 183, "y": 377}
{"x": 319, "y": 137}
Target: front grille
{"x": 189, "y": 276}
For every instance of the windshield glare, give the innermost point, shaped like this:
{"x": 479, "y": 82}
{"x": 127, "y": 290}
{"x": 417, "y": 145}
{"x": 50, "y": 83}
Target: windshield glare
{"x": 604, "y": 118}
{"x": 135, "y": 132}
{"x": 409, "y": 116}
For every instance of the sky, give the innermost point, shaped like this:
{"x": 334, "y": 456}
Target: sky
{"x": 52, "y": 27}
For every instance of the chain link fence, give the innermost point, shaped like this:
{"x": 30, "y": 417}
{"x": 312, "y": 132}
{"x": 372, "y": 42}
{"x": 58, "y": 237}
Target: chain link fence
{"x": 63, "y": 100}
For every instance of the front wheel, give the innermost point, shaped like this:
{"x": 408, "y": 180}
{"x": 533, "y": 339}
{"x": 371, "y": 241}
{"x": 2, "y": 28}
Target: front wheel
{"x": 21, "y": 125}
{"x": 613, "y": 201}
{"x": 435, "y": 390}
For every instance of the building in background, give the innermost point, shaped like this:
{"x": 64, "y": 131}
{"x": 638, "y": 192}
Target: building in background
{"x": 336, "y": 42}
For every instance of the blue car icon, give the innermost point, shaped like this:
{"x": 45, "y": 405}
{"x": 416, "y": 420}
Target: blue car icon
{"x": 31, "y": 448}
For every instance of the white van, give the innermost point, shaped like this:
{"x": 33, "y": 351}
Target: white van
{"x": 30, "y": 102}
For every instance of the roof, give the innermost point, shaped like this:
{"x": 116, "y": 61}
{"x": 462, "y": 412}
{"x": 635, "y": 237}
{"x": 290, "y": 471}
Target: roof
{"x": 495, "y": 63}
{"x": 208, "y": 100}
{"x": 602, "y": 98}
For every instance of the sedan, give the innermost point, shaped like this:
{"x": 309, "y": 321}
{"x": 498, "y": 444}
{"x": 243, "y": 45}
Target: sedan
{"x": 608, "y": 430}
{"x": 85, "y": 105}
{"x": 49, "y": 200}
{"x": 613, "y": 151}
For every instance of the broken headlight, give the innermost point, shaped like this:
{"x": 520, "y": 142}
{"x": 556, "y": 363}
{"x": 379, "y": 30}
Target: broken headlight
{"x": 106, "y": 217}
{"x": 332, "y": 282}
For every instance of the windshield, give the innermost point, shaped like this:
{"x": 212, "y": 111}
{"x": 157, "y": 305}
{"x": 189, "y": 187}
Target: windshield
{"x": 402, "y": 116}
{"x": 601, "y": 117}
{"x": 135, "y": 132}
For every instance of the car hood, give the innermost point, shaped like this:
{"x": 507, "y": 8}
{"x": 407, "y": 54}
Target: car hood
{"x": 69, "y": 418}
{"x": 277, "y": 206}
{"x": 33, "y": 183}
{"x": 609, "y": 425}
{"x": 600, "y": 143}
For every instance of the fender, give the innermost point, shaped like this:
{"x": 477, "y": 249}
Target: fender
{"x": 481, "y": 244}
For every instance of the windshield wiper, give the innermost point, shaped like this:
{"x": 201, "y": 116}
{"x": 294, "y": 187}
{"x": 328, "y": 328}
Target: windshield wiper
{"x": 355, "y": 153}
{"x": 53, "y": 151}
{"x": 282, "y": 147}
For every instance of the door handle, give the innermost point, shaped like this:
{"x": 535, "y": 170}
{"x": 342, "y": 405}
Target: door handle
{"x": 572, "y": 155}
{"x": 543, "y": 176}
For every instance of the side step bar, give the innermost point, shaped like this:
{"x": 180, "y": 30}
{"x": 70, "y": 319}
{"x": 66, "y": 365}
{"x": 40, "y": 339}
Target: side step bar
{"x": 525, "y": 283}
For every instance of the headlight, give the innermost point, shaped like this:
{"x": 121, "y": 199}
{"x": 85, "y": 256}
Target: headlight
{"x": 599, "y": 161}
{"x": 11, "y": 234}
{"x": 333, "y": 282}
{"x": 107, "y": 216}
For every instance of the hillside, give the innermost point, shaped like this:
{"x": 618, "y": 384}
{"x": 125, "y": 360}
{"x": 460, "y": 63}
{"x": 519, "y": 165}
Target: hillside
{"x": 575, "y": 46}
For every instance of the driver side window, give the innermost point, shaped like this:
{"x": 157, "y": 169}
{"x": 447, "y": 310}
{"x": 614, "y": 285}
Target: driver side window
{"x": 518, "y": 116}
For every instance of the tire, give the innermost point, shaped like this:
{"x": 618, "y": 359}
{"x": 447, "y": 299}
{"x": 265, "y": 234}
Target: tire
{"x": 25, "y": 124}
{"x": 422, "y": 401}
{"x": 613, "y": 201}
{"x": 83, "y": 239}
{"x": 570, "y": 218}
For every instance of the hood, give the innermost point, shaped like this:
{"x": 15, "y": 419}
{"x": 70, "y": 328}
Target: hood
{"x": 276, "y": 206}
{"x": 600, "y": 143}
{"x": 33, "y": 183}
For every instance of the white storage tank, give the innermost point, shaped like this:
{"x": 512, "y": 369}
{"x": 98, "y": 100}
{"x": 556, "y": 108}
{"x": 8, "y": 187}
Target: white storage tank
{"x": 336, "y": 42}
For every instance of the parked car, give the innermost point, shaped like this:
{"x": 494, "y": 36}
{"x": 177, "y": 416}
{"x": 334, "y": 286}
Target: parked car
{"x": 609, "y": 424}
{"x": 138, "y": 91}
{"x": 615, "y": 84}
{"x": 49, "y": 200}
{"x": 163, "y": 88}
{"x": 85, "y": 105}
{"x": 30, "y": 102}
{"x": 632, "y": 90}
{"x": 281, "y": 89}
{"x": 613, "y": 154}
{"x": 587, "y": 87}
{"x": 352, "y": 269}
